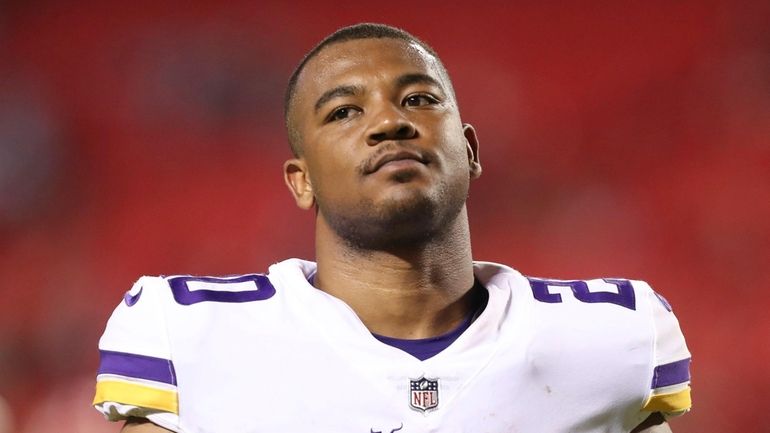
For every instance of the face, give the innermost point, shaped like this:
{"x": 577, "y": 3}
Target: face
{"x": 385, "y": 157}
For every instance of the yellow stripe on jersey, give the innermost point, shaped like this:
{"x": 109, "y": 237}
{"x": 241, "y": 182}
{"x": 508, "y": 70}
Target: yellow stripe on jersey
{"x": 673, "y": 402}
{"x": 137, "y": 395}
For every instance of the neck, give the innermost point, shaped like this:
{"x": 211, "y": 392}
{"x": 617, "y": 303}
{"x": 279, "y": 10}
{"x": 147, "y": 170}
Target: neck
{"x": 416, "y": 292}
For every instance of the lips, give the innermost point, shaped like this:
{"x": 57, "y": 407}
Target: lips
{"x": 396, "y": 156}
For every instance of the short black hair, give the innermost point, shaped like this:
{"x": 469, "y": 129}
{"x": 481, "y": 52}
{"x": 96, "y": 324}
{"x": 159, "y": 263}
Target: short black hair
{"x": 344, "y": 34}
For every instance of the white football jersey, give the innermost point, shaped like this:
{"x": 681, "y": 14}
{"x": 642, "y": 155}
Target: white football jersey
{"x": 271, "y": 353}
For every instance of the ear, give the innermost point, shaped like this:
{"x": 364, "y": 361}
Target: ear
{"x": 472, "y": 142}
{"x": 297, "y": 178}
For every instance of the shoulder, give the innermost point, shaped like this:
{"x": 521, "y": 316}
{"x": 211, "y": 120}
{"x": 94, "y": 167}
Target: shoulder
{"x": 581, "y": 295}
{"x": 159, "y": 308}
{"x": 620, "y": 324}
{"x": 160, "y": 321}
{"x": 136, "y": 375}
{"x": 185, "y": 289}
{"x": 624, "y": 321}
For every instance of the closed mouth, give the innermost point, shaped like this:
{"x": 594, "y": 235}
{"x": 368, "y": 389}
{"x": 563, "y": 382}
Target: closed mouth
{"x": 396, "y": 156}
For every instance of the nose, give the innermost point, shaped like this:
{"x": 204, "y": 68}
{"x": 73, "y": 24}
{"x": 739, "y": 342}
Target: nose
{"x": 390, "y": 124}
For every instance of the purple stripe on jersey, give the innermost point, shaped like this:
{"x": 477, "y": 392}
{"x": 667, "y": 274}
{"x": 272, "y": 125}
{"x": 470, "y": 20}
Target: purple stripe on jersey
{"x": 138, "y": 366}
{"x": 131, "y": 300}
{"x": 671, "y": 373}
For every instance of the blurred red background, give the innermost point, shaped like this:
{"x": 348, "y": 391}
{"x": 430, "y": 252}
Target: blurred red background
{"x": 617, "y": 140}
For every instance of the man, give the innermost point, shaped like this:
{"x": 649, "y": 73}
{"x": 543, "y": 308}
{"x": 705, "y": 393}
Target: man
{"x": 396, "y": 328}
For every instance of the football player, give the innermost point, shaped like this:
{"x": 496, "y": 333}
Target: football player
{"x": 394, "y": 328}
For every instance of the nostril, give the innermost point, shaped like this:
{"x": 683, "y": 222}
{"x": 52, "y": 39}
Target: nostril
{"x": 390, "y": 128}
{"x": 379, "y": 136}
{"x": 405, "y": 131}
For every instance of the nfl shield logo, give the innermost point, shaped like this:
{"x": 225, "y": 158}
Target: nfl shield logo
{"x": 423, "y": 394}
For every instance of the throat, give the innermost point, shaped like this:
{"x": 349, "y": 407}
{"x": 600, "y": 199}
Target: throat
{"x": 426, "y": 348}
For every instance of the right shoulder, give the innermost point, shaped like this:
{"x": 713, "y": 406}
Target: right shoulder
{"x": 162, "y": 318}
{"x": 187, "y": 290}
{"x": 138, "y": 321}
{"x": 136, "y": 376}
{"x": 154, "y": 307}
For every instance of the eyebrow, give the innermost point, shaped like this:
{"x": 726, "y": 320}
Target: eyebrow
{"x": 351, "y": 90}
{"x": 417, "y": 78}
{"x": 339, "y": 91}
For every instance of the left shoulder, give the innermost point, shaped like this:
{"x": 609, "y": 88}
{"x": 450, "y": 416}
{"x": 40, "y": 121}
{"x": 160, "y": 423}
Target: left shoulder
{"x": 620, "y": 324}
{"x": 638, "y": 314}
{"x": 586, "y": 295}
{"x": 612, "y": 295}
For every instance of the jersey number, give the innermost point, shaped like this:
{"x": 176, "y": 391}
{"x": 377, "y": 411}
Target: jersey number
{"x": 624, "y": 296}
{"x": 211, "y": 289}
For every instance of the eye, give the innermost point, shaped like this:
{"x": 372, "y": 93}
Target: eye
{"x": 342, "y": 113}
{"x": 419, "y": 100}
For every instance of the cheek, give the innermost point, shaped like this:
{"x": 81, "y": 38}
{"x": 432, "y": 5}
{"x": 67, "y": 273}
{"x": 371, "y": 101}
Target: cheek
{"x": 455, "y": 149}
{"x": 331, "y": 177}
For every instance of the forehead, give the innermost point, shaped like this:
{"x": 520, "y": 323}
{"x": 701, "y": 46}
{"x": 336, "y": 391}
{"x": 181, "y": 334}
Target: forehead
{"x": 364, "y": 62}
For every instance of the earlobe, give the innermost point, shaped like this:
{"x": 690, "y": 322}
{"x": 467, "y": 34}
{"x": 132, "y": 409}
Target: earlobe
{"x": 295, "y": 175}
{"x": 472, "y": 146}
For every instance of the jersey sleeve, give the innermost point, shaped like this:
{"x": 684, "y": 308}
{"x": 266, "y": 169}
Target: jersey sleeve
{"x": 136, "y": 376}
{"x": 669, "y": 391}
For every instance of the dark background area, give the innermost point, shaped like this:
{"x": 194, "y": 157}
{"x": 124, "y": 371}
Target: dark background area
{"x": 617, "y": 140}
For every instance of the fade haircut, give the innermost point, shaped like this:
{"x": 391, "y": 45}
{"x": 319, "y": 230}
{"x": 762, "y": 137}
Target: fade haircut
{"x": 350, "y": 33}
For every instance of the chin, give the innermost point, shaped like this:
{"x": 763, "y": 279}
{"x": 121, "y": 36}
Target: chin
{"x": 406, "y": 217}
